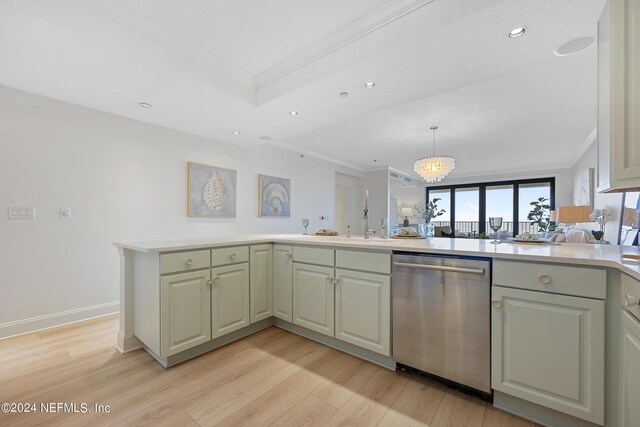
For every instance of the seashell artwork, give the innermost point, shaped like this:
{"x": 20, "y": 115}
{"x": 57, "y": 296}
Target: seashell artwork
{"x": 211, "y": 191}
{"x": 214, "y": 193}
{"x": 274, "y": 197}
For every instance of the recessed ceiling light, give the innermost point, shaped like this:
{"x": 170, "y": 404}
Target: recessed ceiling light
{"x": 517, "y": 32}
{"x": 369, "y": 85}
{"x": 574, "y": 46}
{"x": 344, "y": 94}
{"x": 144, "y": 105}
{"x": 266, "y": 138}
{"x": 235, "y": 132}
{"x": 293, "y": 113}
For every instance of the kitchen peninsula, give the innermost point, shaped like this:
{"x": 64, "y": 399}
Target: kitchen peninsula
{"x": 180, "y": 298}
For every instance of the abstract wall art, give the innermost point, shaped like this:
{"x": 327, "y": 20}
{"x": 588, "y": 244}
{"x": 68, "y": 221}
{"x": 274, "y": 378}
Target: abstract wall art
{"x": 274, "y": 196}
{"x": 211, "y": 191}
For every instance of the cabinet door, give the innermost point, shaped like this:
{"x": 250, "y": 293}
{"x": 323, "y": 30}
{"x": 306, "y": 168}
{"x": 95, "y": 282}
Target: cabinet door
{"x": 229, "y": 299}
{"x": 313, "y": 297}
{"x": 630, "y": 396}
{"x": 549, "y": 349}
{"x": 261, "y": 282}
{"x": 619, "y": 96}
{"x": 363, "y": 310}
{"x": 283, "y": 282}
{"x": 185, "y": 318}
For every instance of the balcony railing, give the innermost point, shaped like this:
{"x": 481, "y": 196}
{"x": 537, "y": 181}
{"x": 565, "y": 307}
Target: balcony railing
{"x": 470, "y": 228}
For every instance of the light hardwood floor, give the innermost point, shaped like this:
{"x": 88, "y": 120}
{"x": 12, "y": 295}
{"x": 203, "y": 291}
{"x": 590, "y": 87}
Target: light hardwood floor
{"x": 270, "y": 378}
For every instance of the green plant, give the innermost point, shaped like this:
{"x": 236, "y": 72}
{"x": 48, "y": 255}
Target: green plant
{"x": 431, "y": 211}
{"x": 540, "y": 213}
{"x": 483, "y": 236}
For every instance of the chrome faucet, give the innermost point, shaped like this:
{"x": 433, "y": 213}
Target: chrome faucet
{"x": 367, "y": 231}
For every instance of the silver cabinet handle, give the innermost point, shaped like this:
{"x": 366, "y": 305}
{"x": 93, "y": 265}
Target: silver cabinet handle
{"x": 289, "y": 255}
{"x": 332, "y": 281}
{"x": 189, "y": 261}
{"x": 497, "y": 304}
{"x": 545, "y": 279}
{"x": 630, "y": 300}
{"x": 232, "y": 256}
{"x": 210, "y": 282}
{"x": 441, "y": 268}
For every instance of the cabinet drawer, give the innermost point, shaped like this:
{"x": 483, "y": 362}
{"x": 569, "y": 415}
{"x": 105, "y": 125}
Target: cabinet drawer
{"x": 557, "y": 279}
{"x": 230, "y": 255}
{"x": 365, "y": 261}
{"x": 183, "y": 261}
{"x": 318, "y": 256}
{"x": 630, "y": 293}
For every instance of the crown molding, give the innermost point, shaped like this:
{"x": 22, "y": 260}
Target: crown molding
{"x": 349, "y": 33}
{"x": 357, "y": 29}
{"x": 585, "y": 146}
{"x": 317, "y": 155}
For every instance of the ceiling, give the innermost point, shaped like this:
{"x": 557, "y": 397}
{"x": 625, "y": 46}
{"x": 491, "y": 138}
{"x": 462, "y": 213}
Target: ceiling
{"x": 211, "y": 67}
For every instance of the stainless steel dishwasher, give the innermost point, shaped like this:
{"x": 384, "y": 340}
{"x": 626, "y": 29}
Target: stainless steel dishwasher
{"x": 441, "y": 317}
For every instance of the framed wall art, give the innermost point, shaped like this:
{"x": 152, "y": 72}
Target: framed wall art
{"x": 583, "y": 192}
{"x": 274, "y": 196}
{"x": 211, "y": 191}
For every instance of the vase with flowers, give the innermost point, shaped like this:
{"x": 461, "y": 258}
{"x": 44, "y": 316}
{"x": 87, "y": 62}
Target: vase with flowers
{"x": 601, "y": 216}
{"x": 428, "y": 213}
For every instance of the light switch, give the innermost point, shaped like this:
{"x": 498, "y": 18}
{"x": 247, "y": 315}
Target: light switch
{"x": 27, "y": 212}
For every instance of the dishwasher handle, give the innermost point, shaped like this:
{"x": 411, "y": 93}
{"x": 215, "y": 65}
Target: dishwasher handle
{"x": 479, "y": 271}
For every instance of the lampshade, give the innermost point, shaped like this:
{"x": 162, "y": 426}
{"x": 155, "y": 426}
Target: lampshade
{"x": 406, "y": 212}
{"x": 574, "y": 214}
{"x": 433, "y": 169}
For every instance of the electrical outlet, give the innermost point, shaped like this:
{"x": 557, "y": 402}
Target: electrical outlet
{"x": 19, "y": 212}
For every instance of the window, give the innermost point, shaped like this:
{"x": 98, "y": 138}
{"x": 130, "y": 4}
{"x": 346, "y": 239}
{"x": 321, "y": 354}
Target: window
{"x": 444, "y": 203}
{"x": 467, "y": 214}
{"x": 470, "y": 206}
{"x": 530, "y": 193}
{"x": 500, "y": 203}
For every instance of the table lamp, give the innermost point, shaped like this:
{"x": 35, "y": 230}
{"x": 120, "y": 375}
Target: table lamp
{"x": 406, "y": 212}
{"x": 574, "y": 215}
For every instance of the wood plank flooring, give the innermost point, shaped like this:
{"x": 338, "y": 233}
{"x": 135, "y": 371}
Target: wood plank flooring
{"x": 272, "y": 378}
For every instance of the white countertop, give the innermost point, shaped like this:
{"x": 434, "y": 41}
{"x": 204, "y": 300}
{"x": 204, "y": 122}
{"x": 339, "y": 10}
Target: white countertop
{"x": 565, "y": 253}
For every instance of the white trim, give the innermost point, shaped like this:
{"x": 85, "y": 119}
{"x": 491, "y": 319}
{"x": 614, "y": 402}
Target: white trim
{"x": 317, "y": 156}
{"x": 344, "y": 36}
{"x": 340, "y": 38}
{"x": 48, "y": 321}
{"x": 585, "y": 146}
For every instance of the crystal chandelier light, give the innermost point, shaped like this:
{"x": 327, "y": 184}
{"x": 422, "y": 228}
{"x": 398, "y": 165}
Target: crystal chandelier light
{"x": 433, "y": 169}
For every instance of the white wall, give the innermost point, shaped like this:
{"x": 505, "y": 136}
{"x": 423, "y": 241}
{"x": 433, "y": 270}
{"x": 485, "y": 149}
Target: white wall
{"x": 377, "y": 182}
{"x": 123, "y": 180}
{"x": 349, "y": 203}
{"x": 611, "y": 201}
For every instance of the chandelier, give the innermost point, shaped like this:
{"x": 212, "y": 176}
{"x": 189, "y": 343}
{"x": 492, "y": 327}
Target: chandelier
{"x": 434, "y": 168}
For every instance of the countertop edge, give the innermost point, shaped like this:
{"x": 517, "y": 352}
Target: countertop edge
{"x": 378, "y": 245}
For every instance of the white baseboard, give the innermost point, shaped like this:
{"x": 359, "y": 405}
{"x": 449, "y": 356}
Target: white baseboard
{"x": 35, "y": 324}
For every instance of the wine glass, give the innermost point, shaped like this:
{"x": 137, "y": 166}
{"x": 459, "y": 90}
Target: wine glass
{"x": 305, "y": 224}
{"x": 495, "y": 222}
{"x": 383, "y": 225}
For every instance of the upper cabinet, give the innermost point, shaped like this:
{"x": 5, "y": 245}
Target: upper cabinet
{"x": 619, "y": 96}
